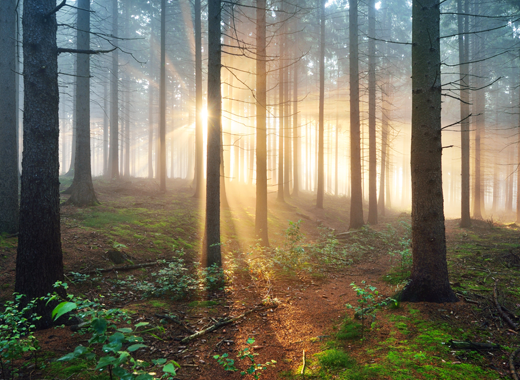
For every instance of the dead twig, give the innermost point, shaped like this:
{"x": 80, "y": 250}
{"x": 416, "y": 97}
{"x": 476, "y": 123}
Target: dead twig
{"x": 500, "y": 311}
{"x": 512, "y": 368}
{"x": 224, "y": 323}
{"x": 304, "y": 364}
{"x": 175, "y": 319}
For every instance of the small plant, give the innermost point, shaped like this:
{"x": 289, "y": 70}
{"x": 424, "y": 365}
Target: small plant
{"x": 368, "y": 303}
{"x": 117, "y": 344}
{"x": 16, "y": 334}
{"x": 254, "y": 368}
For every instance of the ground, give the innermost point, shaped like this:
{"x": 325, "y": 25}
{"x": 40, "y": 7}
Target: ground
{"x": 299, "y": 295}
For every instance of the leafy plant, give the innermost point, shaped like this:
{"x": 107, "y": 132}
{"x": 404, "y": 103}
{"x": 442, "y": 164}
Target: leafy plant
{"x": 16, "y": 334}
{"x": 368, "y": 303}
{"x": 117, "y": 344}
{"x": 254, "y": 368}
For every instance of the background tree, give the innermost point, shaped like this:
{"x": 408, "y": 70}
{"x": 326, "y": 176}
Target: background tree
{"x": 321, "y": 163}
{"x": 82, "y": 189}
{"x": 372, "y": 159}
{"x": 114, "y": 98}
{"x": 429, "y": 278}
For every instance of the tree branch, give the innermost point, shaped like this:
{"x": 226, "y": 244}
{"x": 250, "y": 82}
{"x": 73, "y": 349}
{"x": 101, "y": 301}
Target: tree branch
{"x": 65, "y": 50}
{"x": 63, "y": 3}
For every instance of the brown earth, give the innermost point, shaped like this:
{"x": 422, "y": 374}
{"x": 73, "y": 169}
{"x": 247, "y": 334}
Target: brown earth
{"x": 308, "y": 306}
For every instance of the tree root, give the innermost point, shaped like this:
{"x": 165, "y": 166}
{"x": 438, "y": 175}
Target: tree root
{"x": 224, "y": 323}
{"x": 500, "y": 311}
{"x": 512, "y": 368}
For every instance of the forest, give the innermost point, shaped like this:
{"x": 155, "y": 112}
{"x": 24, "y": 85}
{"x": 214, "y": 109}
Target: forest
{"x": 259, "y": 189}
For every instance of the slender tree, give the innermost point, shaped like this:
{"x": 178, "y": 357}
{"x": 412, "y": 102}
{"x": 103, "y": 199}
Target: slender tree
{"x": 372, "y": 156}
{"x": 82, "y": 189}
{"x": 281, "y": 116}
{"x": 162, "y": 102}
{"x": 429, "y": 278}
{"x": 8, "y": 119}
{"x": 321, "y": 128}
{"x": 114, "y": 99}
{"x": 39, "y": 262}
{"x": 463, "y": 29}
{"x": 356, "y": 193}
{"x": 261, "y": 128}
{"x": 211, "y": 252}
{"x": 199, "y": 155}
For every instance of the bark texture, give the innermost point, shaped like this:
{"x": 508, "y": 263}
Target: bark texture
{"x": 8, "y": 120}
{"x": 321, "y": 161}
{"x": 39, "y": 261}
{"x": 429, "y": 279}
{"x": 211, "y": 252}
{"x": 82, "y": 190}
{"x": 261, "y": 131}
{"x": 372, "y": 156}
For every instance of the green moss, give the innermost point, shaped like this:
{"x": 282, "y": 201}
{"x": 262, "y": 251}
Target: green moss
{"x": 349, "y": 330}
{"x": 203, "y": 303}
{"x": 335, "y": 359}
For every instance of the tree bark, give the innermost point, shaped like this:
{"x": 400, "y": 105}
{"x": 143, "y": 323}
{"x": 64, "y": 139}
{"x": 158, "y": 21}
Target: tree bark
{"x": 162, "y": 102}
{"x": 372, "y": 159}
{"x": 114, "y": 99}
{"x": 8, "y": 119}
{"x": 39, "y": 262}
{"x": 321, "y": 163}
{"x": 261, "y": 225}
{"x": 82, "y": 189}
{"x": 429, "y": 279}
{"x": 211, "y": 253}
{"x": 463, "y": 27}
{"x": 199, "y": 167}
{"x": 356, "y": 193}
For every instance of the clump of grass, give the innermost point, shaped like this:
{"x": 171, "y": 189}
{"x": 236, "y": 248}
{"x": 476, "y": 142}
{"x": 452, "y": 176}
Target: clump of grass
{"x": 335, "y": 359}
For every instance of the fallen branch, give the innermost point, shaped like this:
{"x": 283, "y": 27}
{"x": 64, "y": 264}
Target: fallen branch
{"x": 500, "y": 311}
{"x": 512, "y": 368}
{"x": 304, "y": 364}
{"x": 174, "y": 319}
{"x": 467, "y": 345}
{"x": 123, "y": 267}
{"x": 223, "y": 323}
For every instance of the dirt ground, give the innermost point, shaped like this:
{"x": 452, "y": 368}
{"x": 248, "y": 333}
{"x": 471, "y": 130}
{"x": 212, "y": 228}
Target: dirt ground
{"x": 308, "y": 307}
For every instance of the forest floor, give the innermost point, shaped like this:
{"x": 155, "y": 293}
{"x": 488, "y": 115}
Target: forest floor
{"x": 294, "y": 295}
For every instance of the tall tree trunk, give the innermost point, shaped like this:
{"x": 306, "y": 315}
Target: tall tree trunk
{"x": 281, "y": 116}
{"x": 39, "y": 261}
{"x": 199, "y": 151}
{"x": 211, "y": 251}
{"x": 8, "y": 119}
{"x": 288, "y": 132}
{"x": 296, "y": 126}
{"x": 114, "y": 99}
{"x": 429, "y": 279}
{"x": 321, "y": 163}
{"x": 463, "y": 29}
{"x": 372, "y": 159}
{"x": 105, "y": 130}
{"x": 151, "y": 90}
{"x": 356, "y": 193}
{"x": 82, "y": 189}
{"x": 162, "y": 102}
{"x": 261, "y": 132}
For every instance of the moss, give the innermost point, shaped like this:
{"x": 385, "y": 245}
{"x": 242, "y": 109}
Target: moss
{"x": 335, "y": 359}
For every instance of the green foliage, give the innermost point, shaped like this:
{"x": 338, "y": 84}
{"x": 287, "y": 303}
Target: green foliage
{"x": 368, "y": 302}
{"x": 16, "y": 334}
{"x": 117, "y": 345}
{"x": 254, "y": 368}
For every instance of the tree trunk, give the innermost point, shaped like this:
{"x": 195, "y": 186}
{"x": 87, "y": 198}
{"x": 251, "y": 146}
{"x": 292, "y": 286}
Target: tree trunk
{"x": 151, "y": 90}
{"x": 82, "y": 189}
{"x": 199, "y": 167}
{"x": 39, "y": 262}
{"x": 162, "y": 103}
{"x": 296, "y": 126}
{"x": 211, "y": 251}
{"x": 372, "y": 159}
{"x": 356, "y": 193}
{"x": 105, "y": 130}
{"x": 8, "y": 119}
{"x": 281, "y": 117}
{"x": 261, "y": 132}
{"x": 463, "y": 29}
{"x": 429, "y": 279}
{"x": 114, "y": 101}
{"x": 321, "y": 163}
